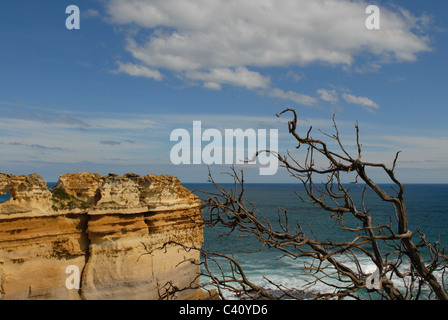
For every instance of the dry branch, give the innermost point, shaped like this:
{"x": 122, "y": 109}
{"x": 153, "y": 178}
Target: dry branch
{"x": 388, "y": 246}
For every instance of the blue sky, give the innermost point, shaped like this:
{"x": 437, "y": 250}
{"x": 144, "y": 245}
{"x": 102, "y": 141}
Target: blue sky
{"x": 106, "y": 97}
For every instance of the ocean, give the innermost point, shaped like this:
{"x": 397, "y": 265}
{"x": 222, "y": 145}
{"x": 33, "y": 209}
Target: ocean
{"x": 426, "y": 204}
{"x": 427, "y": 208}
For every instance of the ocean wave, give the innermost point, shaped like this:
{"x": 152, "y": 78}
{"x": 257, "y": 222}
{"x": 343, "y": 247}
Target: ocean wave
{"x": 291, "y": 275}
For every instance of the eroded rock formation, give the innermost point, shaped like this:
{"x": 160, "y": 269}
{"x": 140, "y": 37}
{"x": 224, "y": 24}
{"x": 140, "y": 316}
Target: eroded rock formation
{"x": 103, "y": 225}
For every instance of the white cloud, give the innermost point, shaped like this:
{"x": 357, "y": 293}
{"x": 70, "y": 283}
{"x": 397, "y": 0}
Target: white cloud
{"x": 416, "y": 151}
{"x": 212, "y": 85}
{"x": 89, "y": 13}
{"x": 328, "y": 95}
{"x": 139, "y": 71}
{"x": 136, "y": 140}
{"x": 220, "y": 42}
{"x": 132, "y": 138}
{"x": 362, "y": 101}
{"x": 61, "y": 141}
{"x": 293, "y": 96}
{"x": 294, "y": 76}
{"x": 222, "y": 34}
{"x": 241, "y": 77}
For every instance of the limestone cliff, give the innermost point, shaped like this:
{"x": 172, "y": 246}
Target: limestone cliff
{"x": 103, "y": 225}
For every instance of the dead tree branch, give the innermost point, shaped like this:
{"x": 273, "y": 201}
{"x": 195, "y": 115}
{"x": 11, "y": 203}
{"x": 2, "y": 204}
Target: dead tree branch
{"x": 389, "y": 246}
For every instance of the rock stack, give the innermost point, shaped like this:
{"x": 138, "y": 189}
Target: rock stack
{"x": 128, "y": 236}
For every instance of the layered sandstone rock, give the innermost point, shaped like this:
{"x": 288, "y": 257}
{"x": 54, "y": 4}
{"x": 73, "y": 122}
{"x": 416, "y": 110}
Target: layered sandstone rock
{"x": 118, "y": 231}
